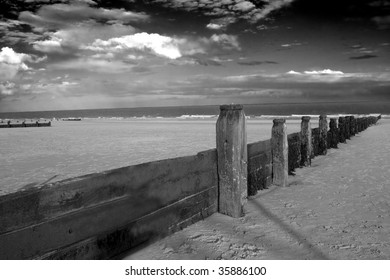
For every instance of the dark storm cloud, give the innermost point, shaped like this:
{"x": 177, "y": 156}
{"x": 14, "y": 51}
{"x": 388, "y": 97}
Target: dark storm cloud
{"x": 366, "y": 56}
{"x": 61, "y": 15}
{"x": 226, "y": 12}
{"x": 255, "y": 63}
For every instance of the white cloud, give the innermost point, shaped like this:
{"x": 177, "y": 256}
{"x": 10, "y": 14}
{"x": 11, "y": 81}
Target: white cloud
{"x": 63, "y": 15}
{"x": 244, "y": 6}
{"x": 7, "y": 88}
{"x": 49, "y": 46}
{"x": 269, "y": 8}
{"x": 221, "y": 23}
{"x": 292, "y": 72}
{"x": 164, "y": 46}
{"x": 326, "y": 75}
{"x": 11, "y": 63}
{"x": 157, "y": 44}
{"x": 291, "y": 45}
{"x": 94, "y": 64}
{"x": 214, "y": 26}
{"x": 324, "y": 72}
{"x": 80, "y": 34}
{"x": 226, "y": 41}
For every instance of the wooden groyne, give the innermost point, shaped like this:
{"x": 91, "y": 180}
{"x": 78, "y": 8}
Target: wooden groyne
{"x": 99, "y": 216}
{"x": 14, "y": 124}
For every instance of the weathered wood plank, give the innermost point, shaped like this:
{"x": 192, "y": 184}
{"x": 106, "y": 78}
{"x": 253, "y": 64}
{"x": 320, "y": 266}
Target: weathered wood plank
{"x": 258, "y": 147}
{"x": 294, "y": 151}
{"x": 110, "y": 226}
{"x": 168, "y": 180}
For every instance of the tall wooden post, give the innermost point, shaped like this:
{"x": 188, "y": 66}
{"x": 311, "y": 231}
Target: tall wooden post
{"x": 306, "y": 145}
{"x": 334, "y": 139}
{"x": 347, "y": 128}
{"x": 342, "y": 130}
{"x": 353, "y": 126}
{"x": 232, "y": 160}
{"x": 279, "y": 146}
{"x": 323, "y": 127}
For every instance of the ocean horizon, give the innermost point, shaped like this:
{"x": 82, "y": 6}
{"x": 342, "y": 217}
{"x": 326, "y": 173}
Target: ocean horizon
{"x": 207, "y": 111}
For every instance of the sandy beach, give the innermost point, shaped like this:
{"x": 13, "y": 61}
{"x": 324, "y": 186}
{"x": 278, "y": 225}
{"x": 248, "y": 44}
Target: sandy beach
{"x": 336, "y": 209}
{"x": 35, "y": 156}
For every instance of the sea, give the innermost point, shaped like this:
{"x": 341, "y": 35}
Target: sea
{"x": 106, "y": 139}
{"x": 251, "y": 110}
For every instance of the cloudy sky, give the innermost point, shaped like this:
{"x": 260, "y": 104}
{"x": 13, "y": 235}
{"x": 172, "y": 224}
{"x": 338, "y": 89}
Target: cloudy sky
{"x": 74, "y": 54}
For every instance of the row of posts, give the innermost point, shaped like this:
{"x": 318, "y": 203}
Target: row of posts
{"x": 233, "y": 157}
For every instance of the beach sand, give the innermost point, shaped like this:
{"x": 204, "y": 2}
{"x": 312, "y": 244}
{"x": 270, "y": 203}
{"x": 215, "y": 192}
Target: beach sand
{"x": 35, "y": 156}
{"x": 339, "y": 208}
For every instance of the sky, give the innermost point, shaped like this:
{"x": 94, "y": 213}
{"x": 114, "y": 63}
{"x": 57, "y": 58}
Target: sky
{"x": 85, "y": 54}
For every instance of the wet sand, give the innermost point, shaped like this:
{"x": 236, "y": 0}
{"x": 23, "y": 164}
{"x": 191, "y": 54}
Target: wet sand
{"x": 339, "y": 208}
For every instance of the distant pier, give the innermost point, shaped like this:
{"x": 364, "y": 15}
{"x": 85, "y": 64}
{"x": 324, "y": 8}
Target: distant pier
{"x": 16, "y": 123}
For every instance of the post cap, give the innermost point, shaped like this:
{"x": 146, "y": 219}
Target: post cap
{"x": 231, "y": 107}
{"x": 306, "y": 118}
{"x": 322, "y": 116}
{"x": 279, "y": 121}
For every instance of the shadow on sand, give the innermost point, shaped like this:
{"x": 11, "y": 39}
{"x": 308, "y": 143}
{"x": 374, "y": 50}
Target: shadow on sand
{"x": 317, "y": 254}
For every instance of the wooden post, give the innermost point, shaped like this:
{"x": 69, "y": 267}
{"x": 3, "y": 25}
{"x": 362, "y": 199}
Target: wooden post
{"x": 334, "y": 139}
{"x": 306, "y": 146}
{"x": 342, "y": 130}
{"x": 279, "y": 146}
{"x": 232, "y": 160}
{"x": 359, "y": 124}
{"x": 347, "y": 128}
{"x": 356, "y": 126}
{"x": 350, "y": 126}
{"x": 353, "y": 126}
{"x": 323, "y": 126}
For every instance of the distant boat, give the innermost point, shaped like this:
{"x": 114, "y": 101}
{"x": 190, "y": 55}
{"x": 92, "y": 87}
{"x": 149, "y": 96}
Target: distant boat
{"x": 71, "y": 119}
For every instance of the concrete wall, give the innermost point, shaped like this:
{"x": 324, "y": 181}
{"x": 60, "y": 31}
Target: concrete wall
{"x": 259, "y": 166}
{"x": 101, "y": 215}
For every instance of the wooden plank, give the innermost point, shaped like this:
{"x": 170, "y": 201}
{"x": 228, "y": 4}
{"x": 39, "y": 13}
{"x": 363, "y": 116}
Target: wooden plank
{"x": 111, "y": 228}
{"x": 259, "y": 147}
{"x": 259, "y": 172}
{"x": 167, "y": 180}
{"x": 294, "y": 151}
